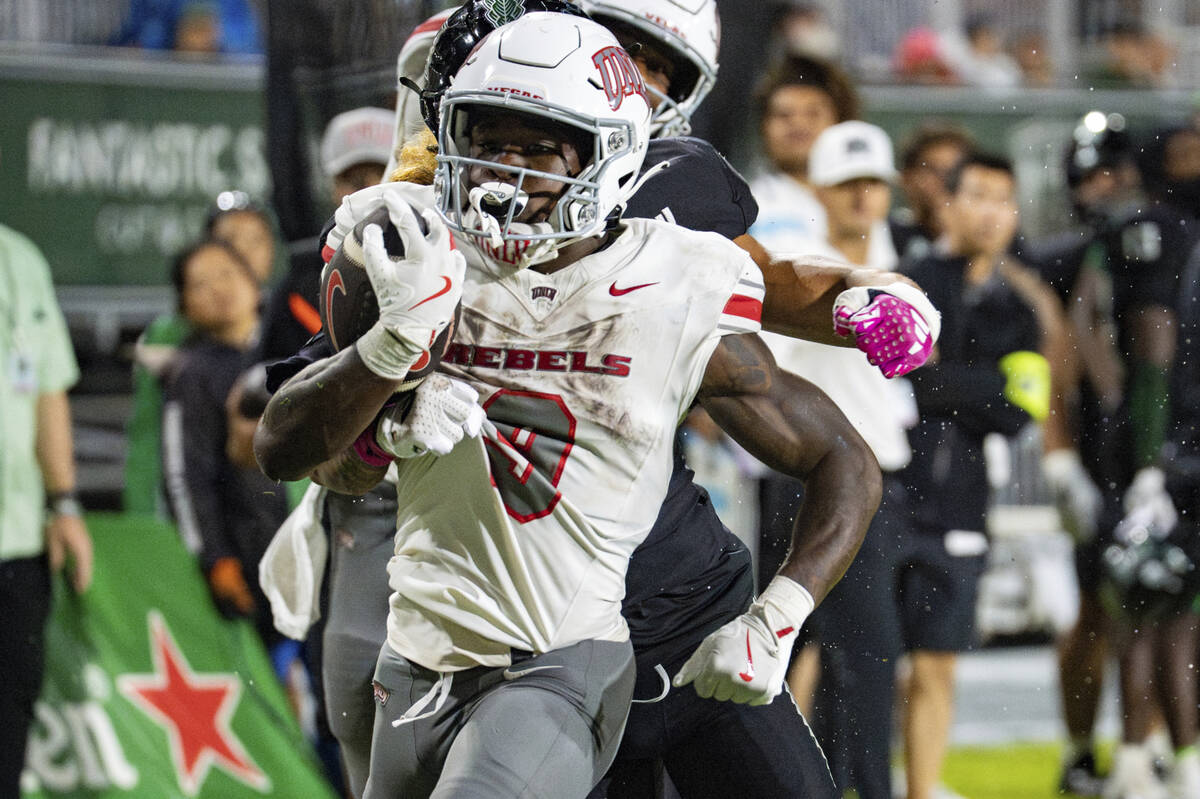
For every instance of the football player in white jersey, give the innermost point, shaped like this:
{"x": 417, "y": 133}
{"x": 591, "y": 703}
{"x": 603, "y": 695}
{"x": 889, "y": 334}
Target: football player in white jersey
{"x": 506, "y": 613}
{"x": 711, "y": 581}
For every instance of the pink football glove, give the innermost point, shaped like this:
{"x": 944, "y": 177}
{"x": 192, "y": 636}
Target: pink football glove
{"x": 896, "y": 326}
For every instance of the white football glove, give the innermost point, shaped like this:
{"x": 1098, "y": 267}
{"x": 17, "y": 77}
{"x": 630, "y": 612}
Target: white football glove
{"x": 1147, "y": 496}
{"x": 353, "y": 209}
{"x": 443, "y": 411}
{"x": 417, "y": 293}
{"x": 1076, "y": 496}
{"x": 746, "y": 660}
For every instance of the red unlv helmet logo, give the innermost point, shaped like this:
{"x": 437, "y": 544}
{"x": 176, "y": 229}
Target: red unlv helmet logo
{"x": 619, "y": 74}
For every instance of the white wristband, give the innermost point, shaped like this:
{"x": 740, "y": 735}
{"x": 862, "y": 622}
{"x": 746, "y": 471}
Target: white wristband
{"x": 917, "y": 299}
{"x": 385, "y": 354}
{"x": 786, "y": 603}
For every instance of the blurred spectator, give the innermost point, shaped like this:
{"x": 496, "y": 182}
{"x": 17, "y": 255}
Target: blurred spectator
{"x": 803, "y": 29}
{"x": 354, "y": 151}
{"x": 226, "y": 514}
{"x": 797, "y": 100}
{"x": 1031, "y": 50}
{"x": 191, "y": 26}
{"x": 997, "y": 369}
{"x": 1170, "y": 164}
{"x": 246, "y": 225}
{"x": 978, "y": 57}
{"x": 237, "y": 218}
{"x": 198, "y": 30}
{"x": 850, "y": 169}
{"x": 927, "y": 157}
{"x": 920, "y": 58}
{"x": 41, "y": 527}
{"x": 1133, "y": 57}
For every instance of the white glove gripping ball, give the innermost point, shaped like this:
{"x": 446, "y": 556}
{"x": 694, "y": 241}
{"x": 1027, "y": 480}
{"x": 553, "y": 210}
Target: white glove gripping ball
{"x": 417, "y": 291}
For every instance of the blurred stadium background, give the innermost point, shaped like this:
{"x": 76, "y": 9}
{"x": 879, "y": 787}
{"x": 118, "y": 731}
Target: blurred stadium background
{"x": 110, "y": 157}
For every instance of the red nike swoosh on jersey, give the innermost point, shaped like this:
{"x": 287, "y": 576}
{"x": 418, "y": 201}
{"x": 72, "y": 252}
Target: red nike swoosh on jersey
{"x": 748, "y": 674}
{"x": 436, "y": 294}
{"x": 616, "y": 292}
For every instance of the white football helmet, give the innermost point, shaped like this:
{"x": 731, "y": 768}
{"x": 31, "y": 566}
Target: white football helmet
{"x": 561, "y": 68}
{"x": 690, "y": 29}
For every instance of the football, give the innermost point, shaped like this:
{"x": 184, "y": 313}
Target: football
{"x": 348, "y": 304}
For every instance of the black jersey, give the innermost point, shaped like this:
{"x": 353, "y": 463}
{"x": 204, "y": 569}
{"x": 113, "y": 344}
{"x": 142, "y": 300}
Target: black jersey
{"x": 1134, "y": 262}
{"x": 291, "y": 315}
{"x": 1142, "y": 253}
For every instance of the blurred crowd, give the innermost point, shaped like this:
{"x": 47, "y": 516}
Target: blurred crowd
{"x": 1086, "y": 337}
{"x": 966, "y": 43}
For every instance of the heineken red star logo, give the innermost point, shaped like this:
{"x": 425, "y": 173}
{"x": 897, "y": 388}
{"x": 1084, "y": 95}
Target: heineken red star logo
{"x": 195, "y": 710}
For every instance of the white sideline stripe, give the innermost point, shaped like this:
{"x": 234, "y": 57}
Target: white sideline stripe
{"x": 176, "y": 479}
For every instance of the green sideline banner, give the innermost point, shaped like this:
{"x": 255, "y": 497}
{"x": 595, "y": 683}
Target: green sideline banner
{"x": 150, "y": 693}
{"x": 110, "y": 164}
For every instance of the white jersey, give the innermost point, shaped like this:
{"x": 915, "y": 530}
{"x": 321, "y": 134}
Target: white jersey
{"x": 521, "y": 540}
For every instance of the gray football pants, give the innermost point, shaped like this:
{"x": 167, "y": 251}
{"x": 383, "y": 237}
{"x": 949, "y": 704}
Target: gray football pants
{"x": 547, "y": 726}
{"x": 362, "y": 529}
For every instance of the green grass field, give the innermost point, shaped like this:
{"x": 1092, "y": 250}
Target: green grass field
{"x": 1017, "y": 771}
{"x": 1024, "y": 771}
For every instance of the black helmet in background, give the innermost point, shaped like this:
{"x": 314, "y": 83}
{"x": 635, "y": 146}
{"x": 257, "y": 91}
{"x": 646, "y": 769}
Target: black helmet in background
{"x": 1100, "y": 141}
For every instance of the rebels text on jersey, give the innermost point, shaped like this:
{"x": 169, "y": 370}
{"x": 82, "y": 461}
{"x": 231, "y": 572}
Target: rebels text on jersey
{"x": 521, "y": 540}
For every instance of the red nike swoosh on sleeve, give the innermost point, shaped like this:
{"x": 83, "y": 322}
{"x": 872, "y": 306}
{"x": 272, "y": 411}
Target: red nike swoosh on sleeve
{"x": 436, "y": 294}
{"x": 748, "y": 674}
{"x": 616, "y": 292}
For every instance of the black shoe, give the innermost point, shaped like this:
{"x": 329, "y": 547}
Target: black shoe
{"x": 1080, "y": 778}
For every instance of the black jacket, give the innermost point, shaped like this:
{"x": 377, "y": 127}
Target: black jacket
{"x": 961, "y": 397}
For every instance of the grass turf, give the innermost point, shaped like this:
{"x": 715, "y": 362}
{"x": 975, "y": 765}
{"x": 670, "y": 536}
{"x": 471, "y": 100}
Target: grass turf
{"x": 1019, "y": 771}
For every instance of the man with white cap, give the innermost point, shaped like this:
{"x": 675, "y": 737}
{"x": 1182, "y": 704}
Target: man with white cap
{"x": 850, "y": 169}
{"x": 355, "y": 149}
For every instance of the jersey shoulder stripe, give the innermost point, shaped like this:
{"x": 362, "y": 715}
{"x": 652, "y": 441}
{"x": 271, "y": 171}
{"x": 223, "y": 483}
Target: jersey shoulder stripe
{"x": 743, "y": 311}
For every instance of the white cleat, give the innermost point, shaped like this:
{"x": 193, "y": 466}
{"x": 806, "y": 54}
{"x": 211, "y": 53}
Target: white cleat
{"x": 1184, "y": 782}
{"x": 1132, "y": 775}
